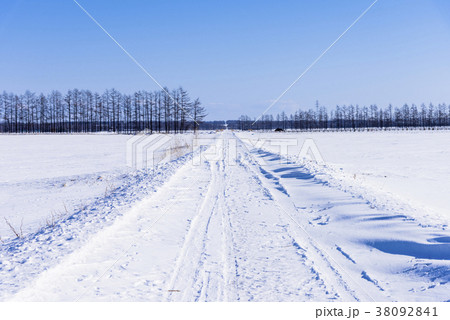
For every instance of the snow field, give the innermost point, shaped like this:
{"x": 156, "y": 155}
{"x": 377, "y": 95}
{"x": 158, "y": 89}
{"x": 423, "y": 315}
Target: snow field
{"x": 248, "y": 225}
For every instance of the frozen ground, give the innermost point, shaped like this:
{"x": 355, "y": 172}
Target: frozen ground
{"x": 248, "y": 225}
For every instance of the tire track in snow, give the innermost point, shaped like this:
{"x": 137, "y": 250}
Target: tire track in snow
{"x": 268, "y": 267}
{"x": 213, "y": 281}
{"x": 190, "y": 256}
{"x": 202, "y": 271}
{"x": 337, "y": 279}
{"x": 236, "y": 228}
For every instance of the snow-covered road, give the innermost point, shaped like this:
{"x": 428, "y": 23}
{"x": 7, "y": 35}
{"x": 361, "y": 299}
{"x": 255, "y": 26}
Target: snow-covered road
{"x": 254, "y": 228}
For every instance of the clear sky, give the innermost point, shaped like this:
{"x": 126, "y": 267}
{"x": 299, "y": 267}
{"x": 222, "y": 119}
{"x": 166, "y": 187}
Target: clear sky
{"x": 237, "y": 56}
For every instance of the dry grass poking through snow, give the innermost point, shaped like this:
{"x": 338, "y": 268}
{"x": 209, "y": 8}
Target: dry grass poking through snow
{"x": 177, "y": 147}
{"x": 18, "y": 232}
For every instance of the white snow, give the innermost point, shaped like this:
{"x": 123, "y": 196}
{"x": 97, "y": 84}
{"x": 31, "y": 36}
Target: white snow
{"x": 47, "y": 177}
{"x": 247, "y": 225}
{"x": 403, "y": 168}
{"x": 52, "y": 175}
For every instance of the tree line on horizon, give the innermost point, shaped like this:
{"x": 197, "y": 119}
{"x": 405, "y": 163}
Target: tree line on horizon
{"x": 84, "y": 111}
{"x": 351, "y": 117}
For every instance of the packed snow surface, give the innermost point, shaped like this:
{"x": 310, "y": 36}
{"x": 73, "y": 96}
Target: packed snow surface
{"x": 231, "y": 220}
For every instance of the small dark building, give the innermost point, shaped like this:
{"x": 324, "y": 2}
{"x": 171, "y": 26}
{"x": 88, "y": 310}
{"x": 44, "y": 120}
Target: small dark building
{"x": 279, "y": 130}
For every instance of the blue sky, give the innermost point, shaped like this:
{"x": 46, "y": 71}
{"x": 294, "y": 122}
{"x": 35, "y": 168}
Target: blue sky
{"x": 237, "y": 56}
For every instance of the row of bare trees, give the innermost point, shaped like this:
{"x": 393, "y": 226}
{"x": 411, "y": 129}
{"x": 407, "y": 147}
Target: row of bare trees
{"x": 353, "y": 117}
{"x": 112, "y": 111}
